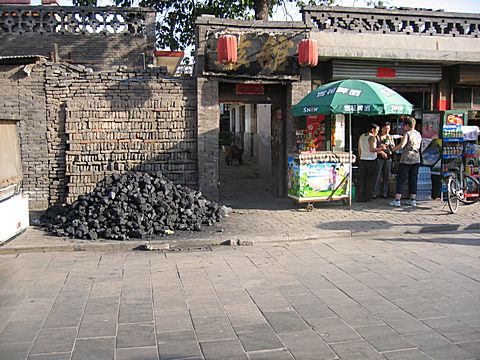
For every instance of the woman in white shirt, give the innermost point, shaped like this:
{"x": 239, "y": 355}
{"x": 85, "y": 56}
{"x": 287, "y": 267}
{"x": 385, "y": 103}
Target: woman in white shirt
{"x": 368, "y": 167}
{"x": 409, "y": 162}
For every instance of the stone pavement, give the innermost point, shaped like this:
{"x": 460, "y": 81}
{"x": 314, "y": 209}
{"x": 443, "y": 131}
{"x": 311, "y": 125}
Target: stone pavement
{"x": 409, "y": 297}
{"x": 260, "y": 217}
{"x": 283, "y": 220}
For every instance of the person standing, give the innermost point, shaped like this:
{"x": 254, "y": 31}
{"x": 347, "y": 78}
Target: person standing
{"x": 384, "y": 160}
{"x": 409, "y": 162}
{"x": 368, "y": 169}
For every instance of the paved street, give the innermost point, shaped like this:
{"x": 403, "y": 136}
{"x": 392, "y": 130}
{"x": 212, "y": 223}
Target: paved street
{"x": 260, "y": 217}
{"x": 416, "y": 297}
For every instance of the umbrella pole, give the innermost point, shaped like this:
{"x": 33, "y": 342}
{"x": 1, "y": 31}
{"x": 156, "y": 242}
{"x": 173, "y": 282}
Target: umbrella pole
{"x": 351, "y": 158}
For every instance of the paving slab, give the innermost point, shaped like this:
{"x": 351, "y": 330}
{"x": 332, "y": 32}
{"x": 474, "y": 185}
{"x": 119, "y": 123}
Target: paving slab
{"x": 286, "y": 322}
{"x": 472, "y": 347}
{"x": 313, "y": 309}
{"x": 98, "y": 349}
{"x": 15, "y": 351}
{"x": 255, "y": 337}
{"x": 147, "y": 353}
{"x": 405, "y": 324}
{"x": 98, "y": 326}
{"x": 383, "y": 338}
{"x": 307, "y": 345}
{"x": 437, "y": 347}
{"x": 135, "y": 335}
{"x": 178, "y": 345}
{"x": 57, "y": 356}
{"x": 136, "y": 311}
{"x": 213, "y": 328}
{"x": 54, "y": 340}
{"x": 200, "y": 308}
{"x": 102, "y": 305}
{"x": 223, "y": 349}
{"x": 14, "y": 330}
{"x": 410, "y": 354}
{"x": 356, "y": 350}
{"x": 167, "y": 321}
{"x": 64, "y": 316}
{"x": 244, "y": 315}
{"x": 452, "y": 329}
{"x": 333, "y": 330}
{"x": 270, "y": 355}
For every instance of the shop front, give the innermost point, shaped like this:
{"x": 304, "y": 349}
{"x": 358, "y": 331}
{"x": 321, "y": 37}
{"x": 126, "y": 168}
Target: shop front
{"x": 258, "y": 76}
{"x": 416, "y": 82}
{"x": 434, "y": 73}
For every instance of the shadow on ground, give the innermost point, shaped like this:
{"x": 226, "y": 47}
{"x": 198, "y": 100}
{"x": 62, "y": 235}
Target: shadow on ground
{"x": 436, "y": 240}
{"x": 367, "y": 225}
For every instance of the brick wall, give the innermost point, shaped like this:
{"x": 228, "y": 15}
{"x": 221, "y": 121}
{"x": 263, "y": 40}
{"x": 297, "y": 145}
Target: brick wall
{"x": 77, "y": 126}
{"x": 93, "y": 50}
{"x": 23, "y": 98}
{"x": 117, "y": 121}
{"x": 98, "y": 37}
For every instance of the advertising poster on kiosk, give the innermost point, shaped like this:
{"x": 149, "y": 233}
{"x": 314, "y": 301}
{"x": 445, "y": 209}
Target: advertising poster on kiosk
{"x": 455, "y": 117}
{"x": 317, "y": 179}
{"x": 431, "y": 125}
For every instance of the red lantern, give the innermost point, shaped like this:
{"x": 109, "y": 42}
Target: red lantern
{"x": 308, "y": 52}
{"x": 227, "y": 49}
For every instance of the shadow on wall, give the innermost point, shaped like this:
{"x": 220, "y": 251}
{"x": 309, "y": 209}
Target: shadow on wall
{"x": 131, "y": 121}
{"x": 129, "y": 94}
{"x": 100, "y": 52}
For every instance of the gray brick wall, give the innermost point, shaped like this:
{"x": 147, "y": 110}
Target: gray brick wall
{"x": 23, "y": 98}
{"x": 99, "y": 37}
{"x": 77, "y": 126}
{"x": 117, "y": 121}
{"x": 208, "y": 130}
{"x": 97, "y": 51}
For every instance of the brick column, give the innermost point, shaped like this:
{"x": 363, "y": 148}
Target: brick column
{"x": 208, "y": 113}
{"x": 443, "y": 96}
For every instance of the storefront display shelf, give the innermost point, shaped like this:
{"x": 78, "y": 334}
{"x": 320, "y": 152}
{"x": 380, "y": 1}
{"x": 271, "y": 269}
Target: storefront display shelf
{"x": 451, "y": 156}
{"x": 452, "y": 139}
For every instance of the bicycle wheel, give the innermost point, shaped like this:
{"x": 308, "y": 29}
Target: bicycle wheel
{"x": 452, "y": 197}
{"x": 470, "y": 192}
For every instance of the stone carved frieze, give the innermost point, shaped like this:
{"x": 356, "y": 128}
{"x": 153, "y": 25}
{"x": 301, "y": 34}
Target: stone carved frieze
{"x": 389, "y": 21}
{"x": 73, "y": 20}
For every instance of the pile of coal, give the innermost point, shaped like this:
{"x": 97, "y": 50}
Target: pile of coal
{"x": 133, "y": 205}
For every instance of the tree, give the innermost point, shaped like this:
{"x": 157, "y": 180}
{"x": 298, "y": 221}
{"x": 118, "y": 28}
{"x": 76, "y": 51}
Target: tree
{"x": 176, "y": 18}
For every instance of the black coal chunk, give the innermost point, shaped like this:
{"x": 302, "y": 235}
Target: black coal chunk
{"x": 132, "y": 205}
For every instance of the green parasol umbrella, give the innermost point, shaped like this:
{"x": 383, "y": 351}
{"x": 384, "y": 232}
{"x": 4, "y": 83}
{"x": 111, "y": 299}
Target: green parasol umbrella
{"x": 358, "y": 97}
{"x": 353, "y": 97}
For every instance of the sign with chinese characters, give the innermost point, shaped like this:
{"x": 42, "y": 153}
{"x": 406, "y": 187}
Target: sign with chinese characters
{"x": 340, "y": 90}
{"x": 249, "y": 89}
{"x": 259, "y": 55}
{"x": 386, "y": 72}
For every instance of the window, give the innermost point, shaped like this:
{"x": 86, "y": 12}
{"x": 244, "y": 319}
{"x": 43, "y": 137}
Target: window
{"x": 462, "y": 97}
{"x": 476, "y": 98}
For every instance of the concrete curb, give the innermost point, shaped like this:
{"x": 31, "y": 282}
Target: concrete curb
{"x": 237, "y": 239}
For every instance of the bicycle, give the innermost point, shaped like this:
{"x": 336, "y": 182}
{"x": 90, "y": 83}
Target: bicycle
{"x": 461, "y": 187}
